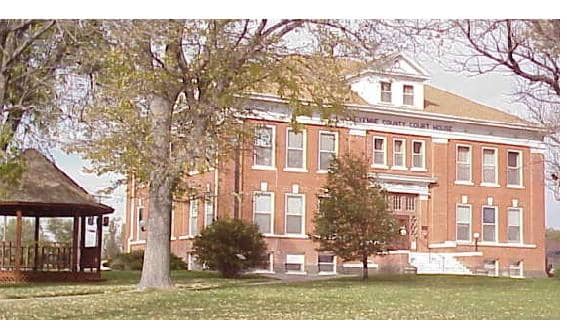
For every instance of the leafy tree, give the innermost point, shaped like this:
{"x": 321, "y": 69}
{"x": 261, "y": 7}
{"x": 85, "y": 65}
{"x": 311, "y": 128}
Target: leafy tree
{"x": 32, "y": 54}
{"x": 231, "y": 247}
{"x": 8, "y": 232}
{"x": 111, "y": 247}
{"x": 170, "y": 96}
{"x": 354, "y": 221}
{"x": 61, "y": 229}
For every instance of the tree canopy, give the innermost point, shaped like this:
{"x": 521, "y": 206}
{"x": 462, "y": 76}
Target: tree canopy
{"x": 354, "y": 221}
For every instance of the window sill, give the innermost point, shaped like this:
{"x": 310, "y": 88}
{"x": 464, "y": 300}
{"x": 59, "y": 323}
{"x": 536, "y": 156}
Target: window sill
{"x": 322, "y": 171}
{"x": 185, "y": 237}
{"x": 263, "y": 168}
{"x": 301, "y": 273}
{"x": 418, "y": 169}
{"x": 515, "y": 187}
{"x": 379, "y": 166}
{"x": 291, "y": 169}
{"x": 489, "y": 184}
{"x": 464, "y": 183}
{"x": 138, "y": 242}
{"x": 327, "y": 273}
{"x": 399, "y": 168}
{"x": 290, "y": 236}
{"x": 173, "y": 238}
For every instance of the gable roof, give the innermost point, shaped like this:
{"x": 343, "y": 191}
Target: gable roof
{"x": 45, "y": 190}
{"x": 439, "y": 101}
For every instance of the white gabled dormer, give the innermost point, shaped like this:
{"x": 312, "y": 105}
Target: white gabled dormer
{"x": 395, "y": 81}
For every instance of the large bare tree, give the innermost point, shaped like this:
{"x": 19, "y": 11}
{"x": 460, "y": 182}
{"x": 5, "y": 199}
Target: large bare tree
{"x": 170, "y": 96}
{"x": 526, "y": 49}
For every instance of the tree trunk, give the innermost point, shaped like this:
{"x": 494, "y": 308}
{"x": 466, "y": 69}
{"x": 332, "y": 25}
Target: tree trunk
{"x": 155, "y": 271}
{"x": 365, "y": 268}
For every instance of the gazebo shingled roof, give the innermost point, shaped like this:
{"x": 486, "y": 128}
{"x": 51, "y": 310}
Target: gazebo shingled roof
{"x": 46, "y": 191}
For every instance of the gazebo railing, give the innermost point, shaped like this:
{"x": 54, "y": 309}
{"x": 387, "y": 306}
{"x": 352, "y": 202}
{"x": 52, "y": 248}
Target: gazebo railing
{"x": 43, "y": 256}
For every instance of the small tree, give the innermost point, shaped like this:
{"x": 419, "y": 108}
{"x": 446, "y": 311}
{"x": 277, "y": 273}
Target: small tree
{"x": 231, "y": 247}
{"x": 353, "y": 220}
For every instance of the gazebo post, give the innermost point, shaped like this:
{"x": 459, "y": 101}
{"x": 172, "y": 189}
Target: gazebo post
{"x": 82, "y": 242}
{"x": 75, "y": 252}
{"x": 18, "y": 263}
{"x": 36, "y": 243}
{"x": 99, "y": 240}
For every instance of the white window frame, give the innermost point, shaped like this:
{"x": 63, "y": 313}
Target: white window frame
{"x": 495, "y": 225}
{"x": 396, "y": 198}
{"x": 470, "y": 163}
{"x": 485, "y": 183}
{"x": 382, "y": 91}
{"x": 302, "y": 271}
{"x": 394, "y": 166}
{"x": 521, "y": 210}
{"x": 457, "y": 223}
{"x": 417, "y": 168}
{"x": 412, "y": 94}
{"x": 272, "y": 198}
{"x": 273, "y": 161}
{"x": 336, "y": 152}
{"x": 271, "y": 265}
{"x": 138, "y": 228}
{"x": 519, "y": 267}
{"x": 208, "y": 208}
{"x": 323, "y": 273}
{"x": 302, "y": 233}
{"x": 520, "y": 167}
{"x": 383, "y": 165}
{"x": 193, "y": 204}
{"x": 304, "y": 151}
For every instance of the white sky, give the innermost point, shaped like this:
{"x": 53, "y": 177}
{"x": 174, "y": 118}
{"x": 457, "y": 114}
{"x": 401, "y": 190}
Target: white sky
{"x": 492, "y": 90}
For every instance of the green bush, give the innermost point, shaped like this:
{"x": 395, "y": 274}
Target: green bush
{"x": 230, "y": 247}
{"x": 135, "y": 260}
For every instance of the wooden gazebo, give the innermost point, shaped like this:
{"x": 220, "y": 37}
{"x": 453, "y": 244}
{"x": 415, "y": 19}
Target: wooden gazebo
{"x": 45, "y": 191}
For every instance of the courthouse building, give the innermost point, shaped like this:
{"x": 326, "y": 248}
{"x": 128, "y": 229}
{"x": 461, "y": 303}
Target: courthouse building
{"x": 465, "y": 180}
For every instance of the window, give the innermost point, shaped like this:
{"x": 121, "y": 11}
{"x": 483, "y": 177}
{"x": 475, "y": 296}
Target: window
{"x": 295, "y": 263}
{"x": 489, "y": 224}
{"x": 516, "y": 269}
{"x": 263, "y": 211}
{"x": 379, "y": 151}
{"x": 264, "y": 146}
{"x": 489, "y": 166}
{"x": 399, "y": 153}
{"x": 397, "y": 202}
{"x": 326, "y": 264}
{"x": 410, "y": 203}
{"x": 408, "y": 95}
{"x": 514, "y": 225}
{"x": 267, "y": 265}
{"x": 295, "y": 157}
{"x": 386, "y": 92}
{"x": 209, "y": 212}
{"x": 491, "y": 267}
{"x": 464, "y": 163}
{"x": 141, "y": 223}
{"x": 193, "y": 217}
{"x": 514, "y": 168}
{"x": 327, "y": 149}
{"x": 418, "y": 154}
{"x": 464, "y": 222}
{"x": 173, "y": 221}
{"x": 294, "y": 214}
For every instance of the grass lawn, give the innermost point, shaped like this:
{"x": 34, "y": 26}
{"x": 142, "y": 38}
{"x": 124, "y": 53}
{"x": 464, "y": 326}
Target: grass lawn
{"x": 206, "y": 296}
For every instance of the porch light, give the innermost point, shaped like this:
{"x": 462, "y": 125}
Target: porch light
{"x": 403, "y": 231}
{"x": 476, "y": 236}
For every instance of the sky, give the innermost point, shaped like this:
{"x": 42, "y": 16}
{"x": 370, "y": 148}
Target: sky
{"x": 491, "y": 89}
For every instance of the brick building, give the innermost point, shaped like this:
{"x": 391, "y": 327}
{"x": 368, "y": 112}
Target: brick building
{"x": 466, "y": 181}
